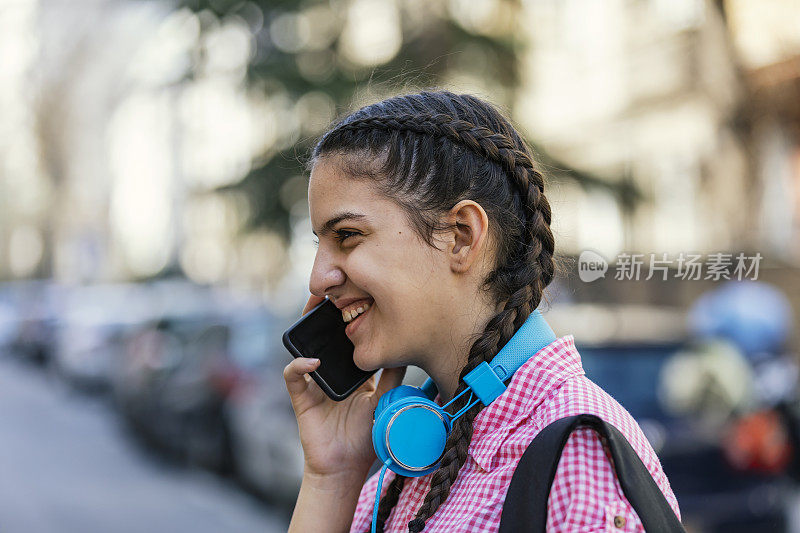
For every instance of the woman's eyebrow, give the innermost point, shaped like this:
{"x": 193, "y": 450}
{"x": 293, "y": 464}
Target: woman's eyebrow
{"x": 347, "y": 215}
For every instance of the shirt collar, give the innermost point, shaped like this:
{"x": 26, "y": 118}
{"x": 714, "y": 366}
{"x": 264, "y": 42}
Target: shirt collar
{"x": 530, "y": 385}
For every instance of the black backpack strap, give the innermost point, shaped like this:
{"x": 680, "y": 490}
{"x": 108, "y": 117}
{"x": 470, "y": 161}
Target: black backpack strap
{"x": 525, "y": 507}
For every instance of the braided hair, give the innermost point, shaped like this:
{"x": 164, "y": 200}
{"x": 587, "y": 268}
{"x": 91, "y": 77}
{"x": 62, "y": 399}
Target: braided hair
{"x": 428, "y": 151}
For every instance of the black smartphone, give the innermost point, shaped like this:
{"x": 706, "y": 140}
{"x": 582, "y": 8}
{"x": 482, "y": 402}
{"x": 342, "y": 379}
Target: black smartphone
{"x": 320, "y": 333}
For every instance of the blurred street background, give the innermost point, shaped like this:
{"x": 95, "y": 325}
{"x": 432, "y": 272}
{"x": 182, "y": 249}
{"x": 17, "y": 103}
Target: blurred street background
{"x": 155, "y": 240}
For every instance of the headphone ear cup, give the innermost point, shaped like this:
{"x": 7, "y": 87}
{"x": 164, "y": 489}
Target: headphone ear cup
{"x": 396, "y": 394}
{"x": 410, "y": 433}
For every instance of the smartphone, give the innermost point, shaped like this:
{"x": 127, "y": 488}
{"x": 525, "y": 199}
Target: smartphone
{"x": 320, "y": 333}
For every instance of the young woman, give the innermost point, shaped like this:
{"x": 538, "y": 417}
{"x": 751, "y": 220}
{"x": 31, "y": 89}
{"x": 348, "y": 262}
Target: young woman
{"x": 435, "y": 242}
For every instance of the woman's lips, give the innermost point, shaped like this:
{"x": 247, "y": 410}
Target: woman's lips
{"x": 353, "y": 325}
{"x": 353, "y": 310}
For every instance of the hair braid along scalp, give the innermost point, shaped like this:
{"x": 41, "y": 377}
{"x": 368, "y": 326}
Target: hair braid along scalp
{"x": 496, "y": 147}
{"x": 494, "y": 168}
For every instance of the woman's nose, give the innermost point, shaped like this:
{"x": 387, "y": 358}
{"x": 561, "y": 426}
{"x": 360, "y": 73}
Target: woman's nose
{"x": 325, "y": 275}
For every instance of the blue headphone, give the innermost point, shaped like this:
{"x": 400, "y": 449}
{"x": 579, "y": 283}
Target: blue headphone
{"x": 410, "y": 429}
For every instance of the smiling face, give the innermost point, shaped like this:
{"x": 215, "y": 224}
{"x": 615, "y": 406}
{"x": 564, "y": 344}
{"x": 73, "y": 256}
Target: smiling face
{"x": 376, "y": 256}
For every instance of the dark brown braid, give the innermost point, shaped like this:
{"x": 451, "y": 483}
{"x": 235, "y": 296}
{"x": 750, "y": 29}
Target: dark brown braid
{"x": 388, "y": 502}
{"x": 438, "y": 148}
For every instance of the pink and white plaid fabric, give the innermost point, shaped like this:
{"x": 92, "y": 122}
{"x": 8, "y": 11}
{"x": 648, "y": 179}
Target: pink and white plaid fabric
{"x": 585, "y": 496}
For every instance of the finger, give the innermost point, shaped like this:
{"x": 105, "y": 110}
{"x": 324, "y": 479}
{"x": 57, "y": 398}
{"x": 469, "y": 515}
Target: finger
{"x": 390, "y": 378}
{"x": 313, "y": 301}
{"x": 295, "y": 375}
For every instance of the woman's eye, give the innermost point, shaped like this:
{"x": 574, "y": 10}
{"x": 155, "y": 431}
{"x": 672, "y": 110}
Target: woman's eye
{"x": 343, "y": 234}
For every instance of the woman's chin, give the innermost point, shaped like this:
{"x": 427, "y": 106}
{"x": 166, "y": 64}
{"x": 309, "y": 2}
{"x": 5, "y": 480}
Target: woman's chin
{"x": 364, "y": 362}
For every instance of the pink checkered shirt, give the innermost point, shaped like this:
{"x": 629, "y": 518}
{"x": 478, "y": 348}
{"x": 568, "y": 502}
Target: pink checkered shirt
{"x": 585, "y": 496}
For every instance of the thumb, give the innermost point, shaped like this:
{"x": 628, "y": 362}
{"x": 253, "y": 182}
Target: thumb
{"x": 313, "y": 301}
{"x": 390, "y": 378}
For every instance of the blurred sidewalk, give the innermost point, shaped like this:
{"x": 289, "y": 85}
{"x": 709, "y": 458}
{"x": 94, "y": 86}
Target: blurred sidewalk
{"x": 67, "y": 466}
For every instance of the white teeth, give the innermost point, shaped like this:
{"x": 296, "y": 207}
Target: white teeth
{"x": 351, "y": 314}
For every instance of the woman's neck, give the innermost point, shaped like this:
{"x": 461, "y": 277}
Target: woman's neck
{"x": 450, "y": 356}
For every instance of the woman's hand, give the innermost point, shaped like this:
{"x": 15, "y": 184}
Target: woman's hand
{"x": 336, "y": 436}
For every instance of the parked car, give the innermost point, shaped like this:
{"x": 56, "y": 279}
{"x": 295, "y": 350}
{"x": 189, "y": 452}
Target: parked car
{"x": 36, "y": 304}
{"x": 9, "y": 323}
{"x": 266, "y": 443}
{"x": 143, "y": 377}
{"x": 94, "y": 322}
{"x": 181, "y": 374}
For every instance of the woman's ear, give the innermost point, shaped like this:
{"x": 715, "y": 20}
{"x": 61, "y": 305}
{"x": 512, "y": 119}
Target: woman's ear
{"x": 469, "y": 237}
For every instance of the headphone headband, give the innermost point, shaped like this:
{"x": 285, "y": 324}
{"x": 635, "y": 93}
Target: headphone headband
{"x": 531, "y": 337}
{"x": 486, "y": 380}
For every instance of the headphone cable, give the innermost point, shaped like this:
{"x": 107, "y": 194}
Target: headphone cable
{"x": 378, "y": 495}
